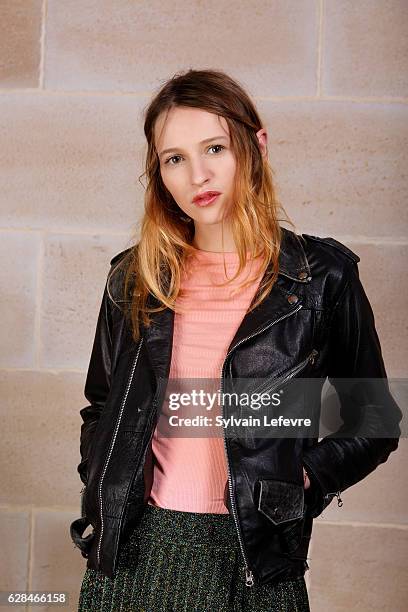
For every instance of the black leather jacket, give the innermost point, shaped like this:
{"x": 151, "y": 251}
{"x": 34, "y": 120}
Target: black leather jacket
{"x": 316, "y": 322}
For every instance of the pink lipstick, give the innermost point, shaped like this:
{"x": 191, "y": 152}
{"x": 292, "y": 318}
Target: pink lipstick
{"x": 206, "y": 198}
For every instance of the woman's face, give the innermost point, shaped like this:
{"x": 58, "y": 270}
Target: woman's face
{"x": 195, "y": 156}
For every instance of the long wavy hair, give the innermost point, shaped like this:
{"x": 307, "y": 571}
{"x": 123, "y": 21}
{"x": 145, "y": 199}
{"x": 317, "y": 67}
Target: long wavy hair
{"x": 152, "y": 268}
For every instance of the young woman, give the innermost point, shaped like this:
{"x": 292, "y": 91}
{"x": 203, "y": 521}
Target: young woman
{"x": 215, "y": 289}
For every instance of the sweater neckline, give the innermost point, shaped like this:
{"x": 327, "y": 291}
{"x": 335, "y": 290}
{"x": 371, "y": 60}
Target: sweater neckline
{"x": 217, "y": 256}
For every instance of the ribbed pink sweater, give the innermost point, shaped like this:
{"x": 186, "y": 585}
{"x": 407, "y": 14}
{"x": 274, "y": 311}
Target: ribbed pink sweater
{"x": 190, "y": 473}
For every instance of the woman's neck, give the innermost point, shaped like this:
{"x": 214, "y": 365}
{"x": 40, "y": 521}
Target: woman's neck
{"x": 213, "y": 239}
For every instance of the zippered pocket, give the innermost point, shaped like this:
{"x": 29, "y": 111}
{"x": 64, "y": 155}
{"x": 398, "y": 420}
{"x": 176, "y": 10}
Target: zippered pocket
{"x": 272, "y": 383}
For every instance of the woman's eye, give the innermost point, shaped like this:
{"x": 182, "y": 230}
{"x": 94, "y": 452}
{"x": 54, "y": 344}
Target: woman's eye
{"x": 169, "y": 160}
{"x": 215, "y": 146}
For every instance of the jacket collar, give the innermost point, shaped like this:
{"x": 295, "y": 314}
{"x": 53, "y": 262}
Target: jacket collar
{"x": 278, "y": 304}
{"x": 293, "y": 262}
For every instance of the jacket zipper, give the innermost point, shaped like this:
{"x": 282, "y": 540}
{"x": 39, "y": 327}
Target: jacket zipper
{"x": 249, "y": 577}
{"x": 279, "y": 381}
{"x": 111, "y": 448}
{"x": 82, "y": 493}
{"x": 335, "y": 494}
{"x": 154, "y": 414}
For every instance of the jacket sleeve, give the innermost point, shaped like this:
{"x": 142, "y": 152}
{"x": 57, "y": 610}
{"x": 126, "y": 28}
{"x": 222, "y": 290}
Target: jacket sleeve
{"x": 369, "y": 413}
{"x": 98, "y": 381}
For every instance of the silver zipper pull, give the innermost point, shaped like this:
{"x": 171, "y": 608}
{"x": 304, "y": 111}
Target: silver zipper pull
{"x": 336, "y": 494}
{"x": 249, "y": 582}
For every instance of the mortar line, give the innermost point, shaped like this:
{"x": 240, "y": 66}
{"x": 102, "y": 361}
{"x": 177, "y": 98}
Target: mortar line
{"x": 69, "y": 232}
{"x": 147, "y": 95}
{"x": 354, "y": 238}
{"x": 360, "y": 239}
{"x": 40, "y": 370}
{"x": 30, "y": 508}
{"x": 349, "y": 523}
{"x": 319, "y": 520}
{"x": 320, "y": 11}
{"x": 42, "y": 44}
{"x": 30, "y": 550}
{"x": 38, "y": 304}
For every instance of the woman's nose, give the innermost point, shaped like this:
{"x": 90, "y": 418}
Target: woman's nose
{"x": 199, "y": 171}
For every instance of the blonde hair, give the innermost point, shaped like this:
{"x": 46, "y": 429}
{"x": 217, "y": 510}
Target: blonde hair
{"x": 156, "y": 263}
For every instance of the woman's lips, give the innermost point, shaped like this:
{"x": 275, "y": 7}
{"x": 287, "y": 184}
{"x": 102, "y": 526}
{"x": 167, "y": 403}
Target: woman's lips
{"x": 205, "y": 201}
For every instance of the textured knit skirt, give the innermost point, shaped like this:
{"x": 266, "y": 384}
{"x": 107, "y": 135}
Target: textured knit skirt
{"x": 185, "y": 562}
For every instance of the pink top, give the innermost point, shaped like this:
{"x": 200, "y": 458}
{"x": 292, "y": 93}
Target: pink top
{"x": 190, "y": 473}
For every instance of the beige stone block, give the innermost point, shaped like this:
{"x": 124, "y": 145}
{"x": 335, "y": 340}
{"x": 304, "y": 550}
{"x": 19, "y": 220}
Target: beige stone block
{"x": 365, "y": 48}
{"x": 57, "y": 565}
{"x": 381, "y": 497}
{"x": 39, "y": 452}
{"x": 14, "y": 549}
{"x": 136, "y": 46}
{"x": 358, "y": 568}
{"x": 20, "y": 43}
{"x": 19, "y": 252}
{"x": 75, "y": 272}
{"x": 340, "y": 167}
{"x": 71, "y": 162}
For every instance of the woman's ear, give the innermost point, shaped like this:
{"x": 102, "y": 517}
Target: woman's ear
{"x": 262, "y": 138}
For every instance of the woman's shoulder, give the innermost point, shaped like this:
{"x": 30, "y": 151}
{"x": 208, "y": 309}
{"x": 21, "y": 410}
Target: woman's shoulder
{"x": 330, "y": 247}
{"x": 119, "y": 256}
{"x": 330, "y": 264}
{"x": 317, "y": 248}
{"x": 321, "y": 257}
{"x": 333, "y": 265}
{"x": 116, "y": 276}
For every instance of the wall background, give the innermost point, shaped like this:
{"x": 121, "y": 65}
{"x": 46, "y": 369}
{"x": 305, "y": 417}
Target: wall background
{"x": 330, "y": 79}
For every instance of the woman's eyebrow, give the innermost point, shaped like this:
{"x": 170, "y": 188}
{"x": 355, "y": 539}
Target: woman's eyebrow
{"x": 221, "y": 137}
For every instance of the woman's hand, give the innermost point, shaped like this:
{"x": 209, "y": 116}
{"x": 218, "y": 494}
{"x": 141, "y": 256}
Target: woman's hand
{"x": 306, "y": 481}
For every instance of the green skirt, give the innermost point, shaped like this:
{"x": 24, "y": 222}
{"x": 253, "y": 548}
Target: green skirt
{"x": 185, "y": 562}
